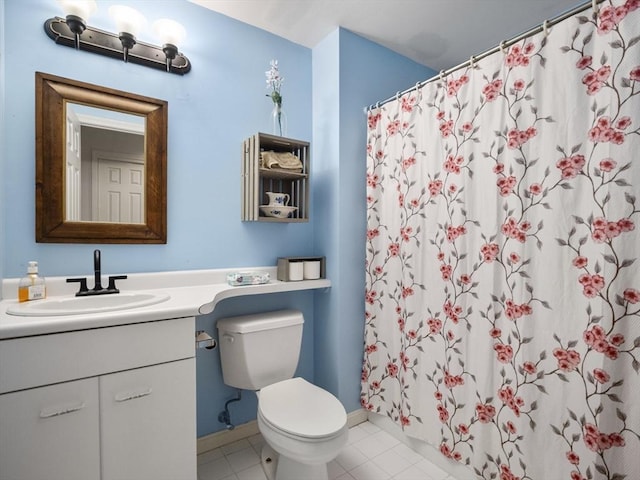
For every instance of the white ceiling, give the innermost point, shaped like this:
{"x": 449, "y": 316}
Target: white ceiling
{"x": 437, "y": 33}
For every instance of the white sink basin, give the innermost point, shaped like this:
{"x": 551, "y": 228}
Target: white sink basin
{"x": 85, "y": 305}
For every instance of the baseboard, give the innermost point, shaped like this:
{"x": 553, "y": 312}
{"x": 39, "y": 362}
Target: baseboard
{"x": 217, "y": 439}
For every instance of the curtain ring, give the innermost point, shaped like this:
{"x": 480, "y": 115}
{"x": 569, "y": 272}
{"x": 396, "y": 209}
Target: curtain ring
{"x": 545, "y": 28}
{"x": 472, "y": 61}
{"x": 503, "y": 47}
{"x": 594, "y": 4}
{"x": 442, "y": 75}
{"x": 397, "y": 95}
{"x": 378, "y": 105}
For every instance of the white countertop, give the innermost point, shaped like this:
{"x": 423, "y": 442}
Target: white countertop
{"x": 191, "y": 293}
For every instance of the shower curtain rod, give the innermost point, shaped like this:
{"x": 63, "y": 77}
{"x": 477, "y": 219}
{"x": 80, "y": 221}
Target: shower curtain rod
{"x": 544, "y": 27}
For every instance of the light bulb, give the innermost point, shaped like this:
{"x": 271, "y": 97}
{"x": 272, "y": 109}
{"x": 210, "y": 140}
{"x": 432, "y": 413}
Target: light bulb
{"x": 169, "y": 31}
{"x": 127, "y": 19}
{"x": 78, "y": 8}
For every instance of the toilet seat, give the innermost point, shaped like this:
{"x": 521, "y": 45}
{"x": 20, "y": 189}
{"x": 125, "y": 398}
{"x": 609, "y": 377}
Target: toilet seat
{"x": 299, "y": 408}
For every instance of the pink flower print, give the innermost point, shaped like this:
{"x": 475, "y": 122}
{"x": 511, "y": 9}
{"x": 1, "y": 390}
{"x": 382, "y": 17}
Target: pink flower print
{"x": 452, "y": 164}
{"x": 498, "y": 168}
{"x": 373, "y": 180}
{"x": 600, "y": 375}
{"x": 535, "y": 189}
{"x": 489, "y": 252}
{"x": 511, "y": 229}
{"x": 404, "y": 420}
{"x": 604, "y": 132}
{"x": 632, "y": 5}
{"x": 407, "y": 103}
{"x": 446, "y": 270}
{"x": 617, "y": 339}
{"x": 591, "y": 284}
{"x": 453, "y": 85}
{"x": 370, "y": 296}
{"x": 446, "y": 128}
{"x": 434, "y": 325}
{"x": 372, "y": 233}
{"x": 607, "y": 164}
{"x": 485, "y": 412}
{"x": 510, "y": 427}
{"x": 529, "y": 367}
{"x": 492, "y": 90}
{"x": 440, "y": 115}
{"x": 505, "y": 394}
{"x": 465, "y": 279}
{"x": 450, "y": 335}
{"x": 374, "y": 119}
{"x": 495, "y": 332}
{"x": 504, "y": 352}
{"x": 580, "y": 262}
{"x": 435, "y": 187}
{"x": 393, "y": 127}
{"x": 453, "y": 188}
{"x": 407, "y": 292}
{"x": 519, "y": 84}
{"x": 626, "y": 225}
{"x": 634, "y": 74}
{"x": 378, "y": 270}
{"x": 405, "y": 233}
{"x": 571, "y": 166}
{"x": 408, "y": 162}
{"x": 506, "y": 474}
{"x": 454, "y": 232}
{"x": 445, "y": 450}
{"x": 517, "y": 138}
{"x": 584, "y": 62}
{"x": 467, "y": 127}
{"x": 438, "y": 395}
{"x": 631, "y": 295}
{"x": 392, "y": 369}
{"x": 440, "y": 256}
{"x": 568, "y": 360}
{"x": 371, "y": 348}
{"x": 401, "y": 324}
{"x": 573, "y": 457}
{"x": 506, "y": 185}
{"x": 414, "y": 202}
{"x": 451, "y": 381}
{"x": 443, "y": 414}
{"x": 463, "y": 429}
{"x": 394, "y": 249}
{"x": 603, "y": 73}
{"x": 623, "y": 123}
{"x": 401, "y": 200}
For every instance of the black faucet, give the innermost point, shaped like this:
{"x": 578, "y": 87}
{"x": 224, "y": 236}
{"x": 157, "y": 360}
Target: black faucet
{"x": 97, "y": 289}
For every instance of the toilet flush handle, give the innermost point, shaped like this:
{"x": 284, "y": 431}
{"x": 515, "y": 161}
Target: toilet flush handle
{"x": 228, "y": 338}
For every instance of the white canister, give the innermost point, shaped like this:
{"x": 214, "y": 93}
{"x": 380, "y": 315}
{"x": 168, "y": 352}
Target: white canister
{"x": 296, "y": 271}
{"x": 312, "y": 270}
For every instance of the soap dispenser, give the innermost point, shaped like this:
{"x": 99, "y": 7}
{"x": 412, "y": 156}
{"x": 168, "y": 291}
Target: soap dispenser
{"x": 31, "y": 287}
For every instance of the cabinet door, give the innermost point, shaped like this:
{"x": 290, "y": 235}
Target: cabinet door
{"x": 51, "y": 433}
{"x": 148, "y": 423}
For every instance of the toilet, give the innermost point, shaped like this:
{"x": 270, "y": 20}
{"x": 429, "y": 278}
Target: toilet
{"x": 304, "y": 426}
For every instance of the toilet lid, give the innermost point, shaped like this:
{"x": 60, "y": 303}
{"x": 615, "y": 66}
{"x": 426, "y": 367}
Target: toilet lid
{"x": 300, "y": 408}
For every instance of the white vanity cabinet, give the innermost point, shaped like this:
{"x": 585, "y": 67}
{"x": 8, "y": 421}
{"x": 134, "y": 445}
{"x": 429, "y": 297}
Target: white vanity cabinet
{"x": 114, "y": 403}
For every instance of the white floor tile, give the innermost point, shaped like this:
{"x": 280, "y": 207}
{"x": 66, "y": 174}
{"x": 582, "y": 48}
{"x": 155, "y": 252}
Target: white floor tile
{"x": 351, "y": 457}
{"x": 252, "y": 473}
{"x": 369, "y": 471}
{"x": 215, "y": 470}
{"x": 371, "y": 454}
{"x": 391, "y": 462}
{"x": 335, "y": 470}
{"x": 243, "y": 459}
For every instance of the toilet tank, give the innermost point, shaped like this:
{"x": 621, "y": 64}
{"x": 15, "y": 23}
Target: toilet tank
{"x": 261, "y": 349}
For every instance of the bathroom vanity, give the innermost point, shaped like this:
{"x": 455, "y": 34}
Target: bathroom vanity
{"x": 109, "y": 394}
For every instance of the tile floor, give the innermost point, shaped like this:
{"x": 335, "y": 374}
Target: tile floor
{"x": 371, "y": 454}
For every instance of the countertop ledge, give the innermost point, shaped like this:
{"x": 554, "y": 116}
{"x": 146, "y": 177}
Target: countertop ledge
{"x": 195, "y": 292}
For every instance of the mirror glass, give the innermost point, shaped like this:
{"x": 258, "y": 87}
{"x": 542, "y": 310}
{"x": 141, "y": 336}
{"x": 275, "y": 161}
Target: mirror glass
{"x": 104, "y": 165}
{"x": 101, "y": 164}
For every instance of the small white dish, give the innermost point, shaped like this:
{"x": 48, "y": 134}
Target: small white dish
{"x": 277, "y": 211}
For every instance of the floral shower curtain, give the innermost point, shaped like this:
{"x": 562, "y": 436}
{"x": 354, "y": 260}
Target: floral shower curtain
{"x": 503, "y": 285}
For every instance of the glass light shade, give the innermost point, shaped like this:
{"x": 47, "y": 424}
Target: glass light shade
{"x": 127, "y": 19}
{"x": 169, "y": 31}
{"x": 79, "y": 8}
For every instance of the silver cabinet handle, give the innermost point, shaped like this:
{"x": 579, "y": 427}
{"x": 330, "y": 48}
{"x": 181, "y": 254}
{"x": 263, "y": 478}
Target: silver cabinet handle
{"x": 126, "y": 396}
{"x": 57, "y": 411}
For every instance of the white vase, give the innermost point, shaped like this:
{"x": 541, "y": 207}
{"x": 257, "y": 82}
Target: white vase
{"x": 279, "y": 121}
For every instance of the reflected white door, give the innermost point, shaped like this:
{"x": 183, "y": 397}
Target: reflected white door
{"x": 119, "y": 190}
{"x": 72, "y": 167}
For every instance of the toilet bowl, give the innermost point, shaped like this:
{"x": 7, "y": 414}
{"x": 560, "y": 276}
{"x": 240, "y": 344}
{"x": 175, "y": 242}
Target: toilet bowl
{"x": 305, "y": 425}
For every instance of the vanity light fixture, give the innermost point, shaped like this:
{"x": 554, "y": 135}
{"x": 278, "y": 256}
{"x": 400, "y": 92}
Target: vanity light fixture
{"x": 73, "y": 31}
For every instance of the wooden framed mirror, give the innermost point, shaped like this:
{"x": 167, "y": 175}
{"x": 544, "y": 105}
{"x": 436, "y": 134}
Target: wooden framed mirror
{"x": 101, "y": 164}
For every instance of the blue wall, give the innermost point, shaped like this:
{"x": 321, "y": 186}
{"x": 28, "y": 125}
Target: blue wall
{"x": 211, "y": 110}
